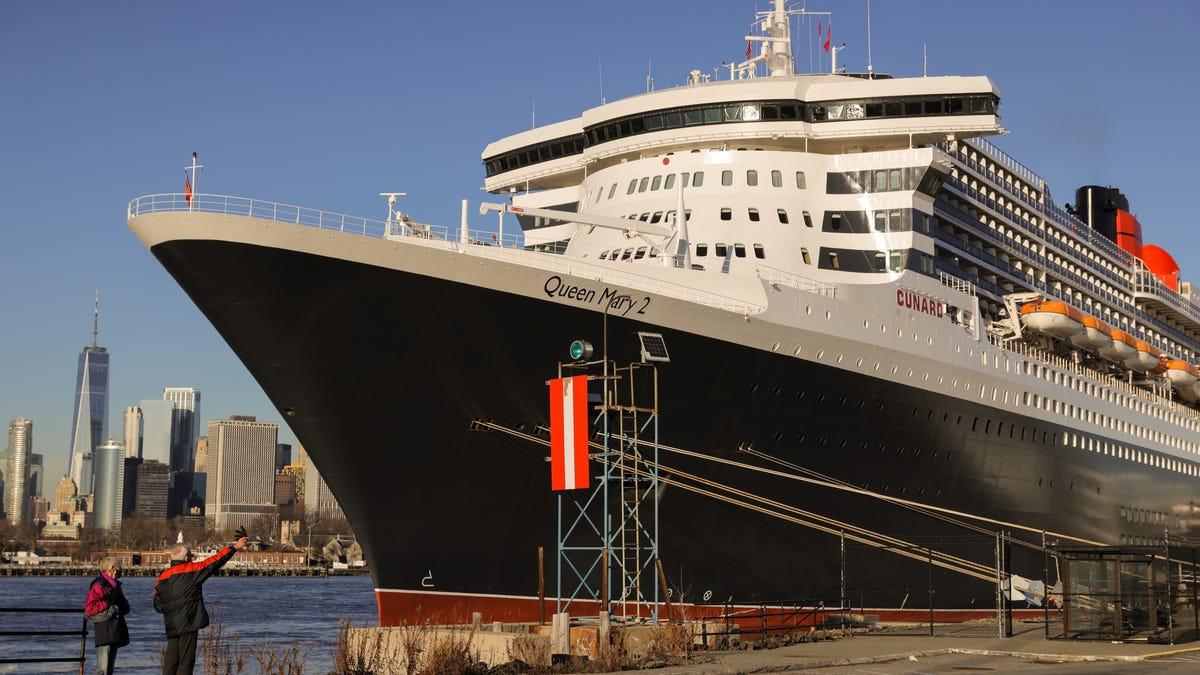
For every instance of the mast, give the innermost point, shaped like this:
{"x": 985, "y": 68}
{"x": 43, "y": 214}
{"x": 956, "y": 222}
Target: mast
{"x": 96, "y": 322}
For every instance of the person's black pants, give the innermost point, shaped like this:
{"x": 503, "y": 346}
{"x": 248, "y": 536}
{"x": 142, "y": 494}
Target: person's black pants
{"x": 181, "y": 655}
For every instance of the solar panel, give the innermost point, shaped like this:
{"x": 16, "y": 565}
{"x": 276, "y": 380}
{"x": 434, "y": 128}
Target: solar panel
{"x": 653, "y": 347}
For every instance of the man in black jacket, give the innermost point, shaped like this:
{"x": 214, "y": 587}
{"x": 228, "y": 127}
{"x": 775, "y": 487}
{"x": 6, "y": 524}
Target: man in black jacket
{"x": 179, "y": 597}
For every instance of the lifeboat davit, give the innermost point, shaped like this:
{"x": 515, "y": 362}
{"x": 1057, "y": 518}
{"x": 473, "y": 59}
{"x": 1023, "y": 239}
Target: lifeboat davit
{"x": 1052, "y": 318}
{"x": 1148, "y": 357}
{"x": 1122, "y": 347}
{"x": 1095, "y": 334}
{"x": 1181, "y": 374}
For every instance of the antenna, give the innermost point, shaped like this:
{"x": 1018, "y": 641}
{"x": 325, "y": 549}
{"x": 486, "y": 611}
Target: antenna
{"x": 925, "y": 59}
{"x": 533, "y": 114}
{"x": 649, "y": 76}
{"x": 600, "y": 61}
{"x": 869, "y": 67}
{"x": 96, "y": 321}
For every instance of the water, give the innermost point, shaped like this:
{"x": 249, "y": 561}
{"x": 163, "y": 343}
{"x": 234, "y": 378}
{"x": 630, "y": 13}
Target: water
{"x": 276, "y": 612}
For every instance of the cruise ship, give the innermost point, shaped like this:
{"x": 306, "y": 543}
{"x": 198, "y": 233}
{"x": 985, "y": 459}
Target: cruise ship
{"x": 878, "y": 323}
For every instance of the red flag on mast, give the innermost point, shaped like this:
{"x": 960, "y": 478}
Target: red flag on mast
{"x": 568, "y": 433}
{"x": 828, "y": 35}
{"x": 749, "y": 51}
{"x": 187, "y": 188}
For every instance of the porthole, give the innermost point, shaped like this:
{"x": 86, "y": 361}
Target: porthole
{"x": 838, "y": 359}
{"x": 866, "y": 324}
{"x": 859, "y": 362}
{"x": 876, "y": 366}
{"x": 797, "y": 350}
{"x": 753, "y": 388}
{"x": 775, "y": 347}
{"x": 910, "y": 372}
{"x": 820, "y": 353}
{"x": 808, "y": 310}
{"x": 895, "y": 368}
{"x": 828, "y": 314}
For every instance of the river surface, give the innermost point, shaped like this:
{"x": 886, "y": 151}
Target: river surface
{"x": 260, "y": 612}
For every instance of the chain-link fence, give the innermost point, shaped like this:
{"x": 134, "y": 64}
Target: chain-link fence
{"x": 1127, "y": 593}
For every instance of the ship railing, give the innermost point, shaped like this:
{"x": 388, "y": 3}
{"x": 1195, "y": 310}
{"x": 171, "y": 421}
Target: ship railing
{"x": 793, "y": 280}
{"x": 1001, "y": 156}
{"x": 476, "y": 241}
{"x": 1078, "y": 369}
{"x": 1146, "y": 283}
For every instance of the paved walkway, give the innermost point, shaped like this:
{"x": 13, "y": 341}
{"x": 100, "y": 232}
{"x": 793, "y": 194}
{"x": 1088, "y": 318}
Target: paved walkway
{"x": 860, "y": 649}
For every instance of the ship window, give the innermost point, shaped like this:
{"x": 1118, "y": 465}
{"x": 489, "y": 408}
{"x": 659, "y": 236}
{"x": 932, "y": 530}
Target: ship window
{"x": 739, "y": 250}
{"x": 645, "y": 217}
{"x": 654, "y": 122}
{"x": 625, "y": 256}
{"x": 656, "y": 183}
{"x": 683, "y": 179}
{"x": 701, "y": 250}
{"x": 691, "y": 117}
{"x": 632, "y": 186}
{"x": 616, "y": 252}
{"x": 721, "y": 250}
{"x": 833, "y": 260}
{"x": 726, "y": 178}
{"x": 759, "y": 252}
{"x": 753, "y": 213}
{"x": 751, "y": 177}
{"x": 804, "y": 255}
{"x": 653, "y": 251}
{"x": 642, "y": 185}
{"x": 835, "y": 222}
{"x": 670, "y": 182}
{"x": 604, "y": 255}
{"x": 800, "y": 182}
{"x": 933, "y": 107}
{"x": 880, "y": 181}
{"x": 733, "y": 113}
{"x": 641, "y": 253}
{"x": 896, "y": 221}
{"x": 891, "y": 109}
{"x": 687, "y": 214}
{"x": 807, "y": 219}
{"x": 881, "y": 221}
{"x": 726, "y": 214}
{"x": 880, "y": 261}
{"x": 874, "y": 109}
{"x": 894, "y": 179}
{"x": 897, "y": 261}
{"x": 672, "y": 120}
{"x": 776, "y": 178}
{"x": 669, "y": 217}
{"x": 954, "y": 106}
{"x": 656, "y": 217}
{"x": 698, "y": 179}
{"x": 612, "y": 190}
{"x": 712, "y": 115}
{"x": 783, "y": 217}
{"x": 912, "y": 108}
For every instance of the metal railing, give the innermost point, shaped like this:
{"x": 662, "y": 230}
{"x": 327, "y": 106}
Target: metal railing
{"x": 484, "y": 243}
{"x": 81, "y": 633}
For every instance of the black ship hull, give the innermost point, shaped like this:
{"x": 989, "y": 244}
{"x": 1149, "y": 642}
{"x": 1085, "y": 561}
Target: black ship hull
{"x": 381, "y": 374}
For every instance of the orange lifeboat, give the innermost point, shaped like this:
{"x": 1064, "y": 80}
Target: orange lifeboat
{"x": 1123, "y": 346}
{"x": 1147, "y": 358}
{"x": 1181, "y": 374}
{"x": 1095, "y": 334}
{"x": 1052, "y": 318}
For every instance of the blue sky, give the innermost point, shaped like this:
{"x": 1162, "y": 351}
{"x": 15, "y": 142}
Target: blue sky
{"x": 325, "y": 105}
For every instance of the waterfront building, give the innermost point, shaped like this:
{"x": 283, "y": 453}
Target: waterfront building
{"x": 66, "y": 495}
{"x": 283, "y": 455}
{"x": 131, "y": 426}
{"x": 108, "y": 484}
{"x": 20, "y": 447}
{"x": 89, "y": 422}
{"x": 152, "y": 480}
{"x": 296, "y": 471}
{"x": 201, "y": 465}
{"x": 36, "y": 469}
{"x": 241, "y": 470}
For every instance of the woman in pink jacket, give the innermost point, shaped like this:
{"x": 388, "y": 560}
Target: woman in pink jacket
{"x": 106, "y": 608}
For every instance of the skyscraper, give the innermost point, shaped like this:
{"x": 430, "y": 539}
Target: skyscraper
{"x": 16, "y": 475}
{"x": 241, "y": 470}
{"x": 89, "y": 423}
{"x": 131, "y": 427}
{"x": 185, "y": 426}
{"x": 152, "y": 479}
{"x": 108, "y": 484}
{"x": 156, "y": 430}
{"x": 318, "y": 498}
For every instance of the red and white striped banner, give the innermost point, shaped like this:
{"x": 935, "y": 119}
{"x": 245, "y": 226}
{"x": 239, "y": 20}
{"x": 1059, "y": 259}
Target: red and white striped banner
{"x": 569, "y": 433}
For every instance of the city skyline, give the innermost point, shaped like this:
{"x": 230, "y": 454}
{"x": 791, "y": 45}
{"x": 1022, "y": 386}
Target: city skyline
{"x": 327, "y": 109}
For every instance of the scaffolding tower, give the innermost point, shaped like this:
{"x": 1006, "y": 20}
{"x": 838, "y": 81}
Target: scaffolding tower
{"x": 608, "y": 535}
